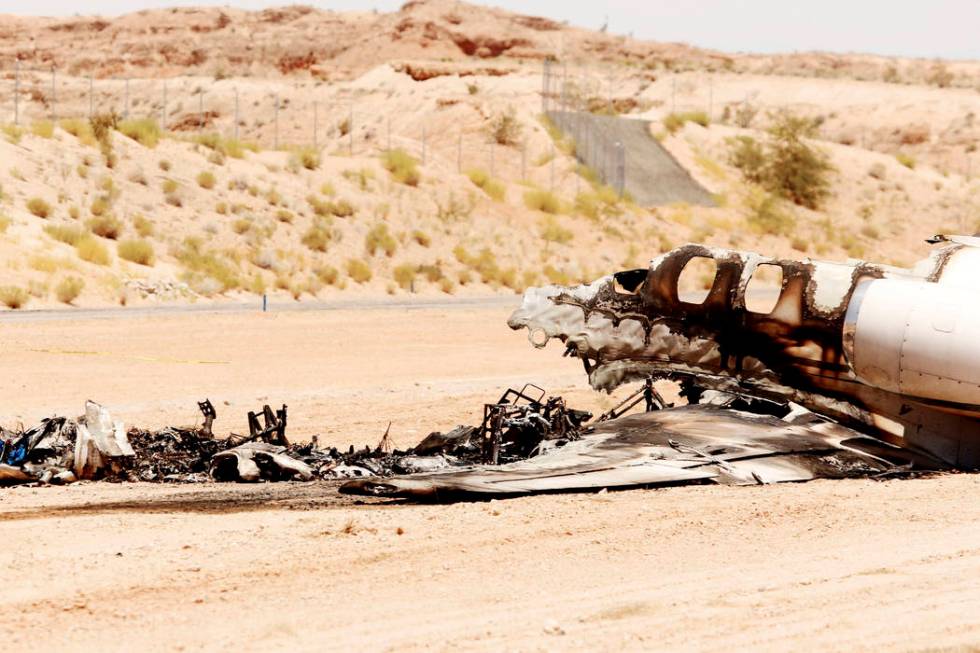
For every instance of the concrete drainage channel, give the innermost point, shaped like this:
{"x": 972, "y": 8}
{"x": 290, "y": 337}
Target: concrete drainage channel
{"x": 640, "y": 165}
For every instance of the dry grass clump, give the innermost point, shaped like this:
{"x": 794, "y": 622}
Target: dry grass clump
{"x": 144, "y": 131}
{"x": 492, "y": 187}
{"x": 542, "y": 200}
{"x": 422, "y": 238}
{"x": 64, "y": 233}
{"x": 106, "y": 226}
{"x": 13, "y": 133}
{"x": 553, "y": 232}
{"x": 242, "y": 226}
{"x": 39, "y": 207}
{"x": 285, "y": 216}
{"x": 207, "y": 271}
{"x": 319, "y": 236}
{"x": 306, "y": 157}
{"x": 100, "y": 206}
{"x": 136, "y": 251}
{"x": 80, "y": 129}
{"x": 379, "y": 238}
{"x": 206, "y": 180}
{"x": 675, "y": 121}
{"x": 402, "y": 166}
{"x": 42, "y": 128}
{"x": 5, "y": 223}
{"x": 404, "y": 276}
{"x": 327, "y": 275}
{"x": 91, "y": 250}
{"x": 226, "y": 146}
{"x": 767, "y": 216}
{"x": 68, "y": 289}
{"x": 165, "y": 165}
{"x": 170, "y": 186}
{"x": 906, "y": 160}
{"x": 359, "y": 270}
{"x": 361, "y": 177}
{"x": 13, "y": 296}
{"x": 601, "y": 202}
{"x": 143, "y": 226}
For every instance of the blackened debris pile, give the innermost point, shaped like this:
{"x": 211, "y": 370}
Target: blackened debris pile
{"x": 95, "y": 447}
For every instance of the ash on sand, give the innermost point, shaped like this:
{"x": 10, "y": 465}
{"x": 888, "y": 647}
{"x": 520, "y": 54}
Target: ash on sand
{"x": 95, "y": 447}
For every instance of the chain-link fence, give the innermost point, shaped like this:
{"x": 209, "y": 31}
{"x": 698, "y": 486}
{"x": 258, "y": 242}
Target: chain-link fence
{"x": 303, "y": 113}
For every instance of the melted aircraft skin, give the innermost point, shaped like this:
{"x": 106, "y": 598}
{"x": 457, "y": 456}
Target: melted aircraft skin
{"x": 636, "y": 323}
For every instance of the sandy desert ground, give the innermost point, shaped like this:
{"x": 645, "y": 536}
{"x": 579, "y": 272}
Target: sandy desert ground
{"x": 855, "y": 565}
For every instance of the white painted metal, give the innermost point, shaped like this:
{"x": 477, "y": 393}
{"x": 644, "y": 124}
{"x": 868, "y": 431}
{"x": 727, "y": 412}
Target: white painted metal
{"x": 917, "y": 338}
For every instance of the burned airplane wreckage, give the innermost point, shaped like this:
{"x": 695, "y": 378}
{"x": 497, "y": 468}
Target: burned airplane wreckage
{"x": 855, "y": 369}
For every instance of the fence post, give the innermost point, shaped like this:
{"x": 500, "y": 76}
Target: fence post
{"x": 524, "y": 160}
{"x": 673, "y": 94}
{"x": 54, "y": 94}
{"x": 388, "y": 123}
{"x": 236, "y": 113}
{"x": 554, "y": 155}
{"x": 163, "y": 109}
{"x": 546, "y": 66}
{"x": 17, "y": 93}
{"x": 493, "y": 163}
{"x": 621, "y": 169}
{"x": 91, "y": 96}
{"x": 350, "y": 132}
{"x": 459, "y": 153}
{"x": 315, "y": 124}
{"x": 424, "y": 136}
{"x": 275, "y": 135}
{"x": 200, "y": 108}
{"x": 711, "y": 97}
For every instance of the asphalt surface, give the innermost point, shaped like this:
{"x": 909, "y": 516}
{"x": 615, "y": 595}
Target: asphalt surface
{"x": 61, "y": 314}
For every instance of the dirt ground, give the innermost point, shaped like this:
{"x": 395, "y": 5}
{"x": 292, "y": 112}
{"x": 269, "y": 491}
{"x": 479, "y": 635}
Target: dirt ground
{"x": 855, "y": 565}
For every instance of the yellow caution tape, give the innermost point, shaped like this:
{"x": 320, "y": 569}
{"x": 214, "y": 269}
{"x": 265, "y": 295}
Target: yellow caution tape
{"x": 148, "y": 359}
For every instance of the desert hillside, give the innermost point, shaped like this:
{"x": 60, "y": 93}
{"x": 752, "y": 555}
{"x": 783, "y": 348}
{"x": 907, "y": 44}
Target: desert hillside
{"x": 185, "y": 154}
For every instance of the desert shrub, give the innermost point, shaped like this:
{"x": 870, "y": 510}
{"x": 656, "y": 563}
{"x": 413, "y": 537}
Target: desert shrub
{"x": 13, "y": 296}
{"x": 164, "y": 165}
{"x": 68, "y": 234}
{"x": 143, "y": 226}
{"x": 80, "y": 129}
{"x": 206, "y": 180}
{"x": 878, "y": 170}
{"x": 675, "y": 121}
{"x": 402, "y": 166}
{"x": 5, "y": 223}
{"x": 542, "y": 200}
{"x": 306, "y": 157}
{"x": 379, "y": 238}
{"x": 492, "y": 187}
{"x": 318, "y": 237}
{"x": 284, "y": 216}
{"x": 42, "y": 128}
{"x": 446, "y": 285}
{"x": 136, "y": 251}
{"x": 144, "y": 131}
{"x": 328, "y": 189}
{"x": 68, "y": 289}
{"x": 745, "y": 114}
{"x": 940, "y": 75}
{"x": 170, "y": 186}
{"x": 553, "y": 232}
{"x": 404, "y": 275}
{"x": 102, "y": 125}
{"x": 906, "y": 160}
{"x": 90, "y": 249}
{"x": 786, "y": 165}
{"x": 505, "y": 129}
{"x": 39, "y": 207}
{"x": 421, "y": 238}
{"x": 106, "y": 226}
{"x": 766, "y": 216}
{"x": 358, "y": 270}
